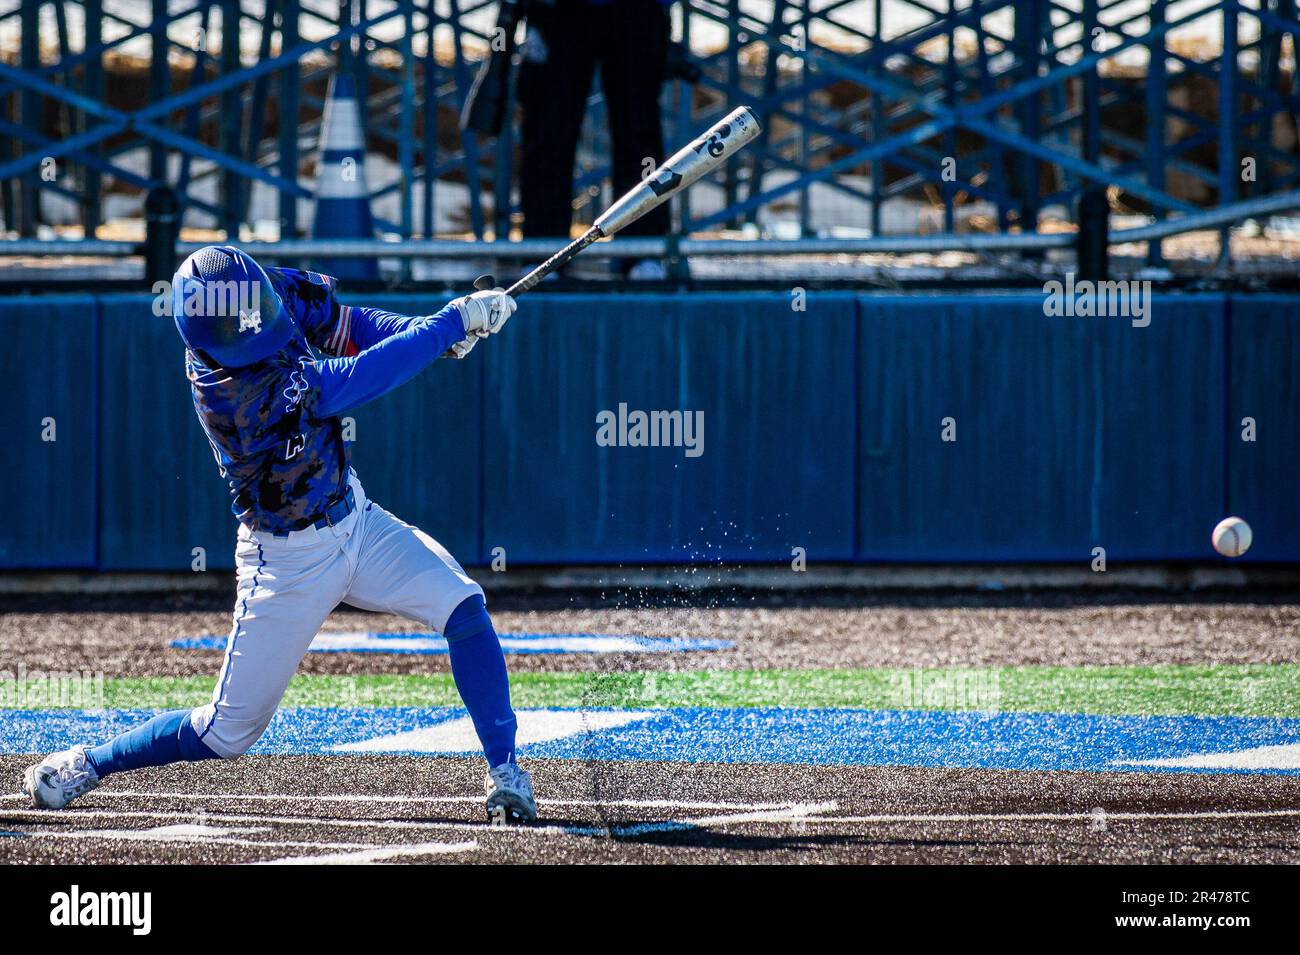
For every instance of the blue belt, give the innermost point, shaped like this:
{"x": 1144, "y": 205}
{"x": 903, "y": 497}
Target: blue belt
{"x": 335, "y": 511}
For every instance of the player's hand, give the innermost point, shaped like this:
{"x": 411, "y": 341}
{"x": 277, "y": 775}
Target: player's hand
{"x": 485, "y": 311}
{"x": 463, "y": 348}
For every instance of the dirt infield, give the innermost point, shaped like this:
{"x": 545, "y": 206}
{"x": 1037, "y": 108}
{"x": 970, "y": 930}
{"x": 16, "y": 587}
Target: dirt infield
{"x": 393, "y": 809}
{"x": 128, "y": 636}
{"x": 873, "y": 805}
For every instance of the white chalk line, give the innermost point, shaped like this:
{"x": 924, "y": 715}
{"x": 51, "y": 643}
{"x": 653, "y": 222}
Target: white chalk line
{"x": 775, "y": 812}
{"x": 786, "y": 812}
{"x": 770, "y": 807}
{"x": 69, "y": 815}
{"x": 801, "y": 812}
{"x": 337, "y": 798}
{"x": 376, "y": 854}
{"x": 1093, "y": 815}
{"x": 798, "y": 814}
{"x": 141, "y": 835}
{"x": 782, "y": 812}
{"x": 345, "y": 853}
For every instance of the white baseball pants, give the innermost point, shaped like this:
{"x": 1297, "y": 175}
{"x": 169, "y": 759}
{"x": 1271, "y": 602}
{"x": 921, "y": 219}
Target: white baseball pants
{"x": 286, "y": 587}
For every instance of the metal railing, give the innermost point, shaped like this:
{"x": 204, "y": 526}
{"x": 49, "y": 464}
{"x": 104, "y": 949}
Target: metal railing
{"x": 529, "y": 249}
{"x": 1019, "y": 105}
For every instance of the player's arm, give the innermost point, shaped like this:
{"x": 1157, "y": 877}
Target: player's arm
{"x": 342, "y": 331}
{"x": 345, "y": 383}
{"x": 337, "y": 330}
{"x": 361, "y": 327}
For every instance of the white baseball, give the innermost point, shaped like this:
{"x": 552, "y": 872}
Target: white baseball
{"x": 1231, "y": 537}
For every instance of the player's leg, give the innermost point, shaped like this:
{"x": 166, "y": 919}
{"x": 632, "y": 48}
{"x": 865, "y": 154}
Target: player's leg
{"x": 283, "y": 595}
{"x": 64, "y": 776}
{"x": 479, "y": 669}
{"x": 286, "y": 594}
{"x": 401, "y": 569}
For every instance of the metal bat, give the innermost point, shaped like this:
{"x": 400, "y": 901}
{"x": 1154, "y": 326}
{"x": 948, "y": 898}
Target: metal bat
{"x": 702, "y": 156}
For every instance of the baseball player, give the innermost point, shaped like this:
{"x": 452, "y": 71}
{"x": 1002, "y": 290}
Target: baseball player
{"x": 273, "y": 360}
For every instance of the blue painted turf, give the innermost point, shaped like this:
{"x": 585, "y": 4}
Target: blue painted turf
{"x": 511, "y": 643}
{"x": 754, "y": 735}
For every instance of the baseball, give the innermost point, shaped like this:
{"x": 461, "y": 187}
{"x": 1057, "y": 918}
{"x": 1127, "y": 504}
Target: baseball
{"x": 1231, "y": 537}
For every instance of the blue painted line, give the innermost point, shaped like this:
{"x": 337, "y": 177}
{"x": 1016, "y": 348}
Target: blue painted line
{"x": 1037, "y": 741}
{"x": 511, "y": 643}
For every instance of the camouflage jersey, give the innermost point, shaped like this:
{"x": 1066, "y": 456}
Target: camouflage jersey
{"x": 274, "y": 427}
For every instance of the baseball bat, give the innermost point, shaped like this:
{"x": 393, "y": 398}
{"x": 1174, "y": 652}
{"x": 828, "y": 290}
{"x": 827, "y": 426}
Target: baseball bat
{"x": 702, "y": 156}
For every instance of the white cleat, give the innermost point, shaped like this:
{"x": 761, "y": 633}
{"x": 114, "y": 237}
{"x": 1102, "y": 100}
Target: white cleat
{"x": 509, "y": 796}
{"x": 60, "y": 778}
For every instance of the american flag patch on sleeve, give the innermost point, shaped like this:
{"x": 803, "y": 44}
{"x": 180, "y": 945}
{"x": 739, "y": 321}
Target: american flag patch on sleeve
{"x": 340, "y": 341}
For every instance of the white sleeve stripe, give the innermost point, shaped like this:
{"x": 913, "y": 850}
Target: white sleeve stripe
{"x": 341, "y": 330}
{"x": 329, "y": 342}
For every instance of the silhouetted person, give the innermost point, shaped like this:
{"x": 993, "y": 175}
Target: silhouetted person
{"x": 566, "y": 40}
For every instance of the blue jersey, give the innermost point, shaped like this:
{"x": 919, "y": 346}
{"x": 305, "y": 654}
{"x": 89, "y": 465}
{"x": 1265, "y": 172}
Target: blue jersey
{"x": 274, "y": 426}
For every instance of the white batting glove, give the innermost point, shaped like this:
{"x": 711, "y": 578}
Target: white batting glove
{"x": 463, "y": 348}
{"x": 486, "y": 311}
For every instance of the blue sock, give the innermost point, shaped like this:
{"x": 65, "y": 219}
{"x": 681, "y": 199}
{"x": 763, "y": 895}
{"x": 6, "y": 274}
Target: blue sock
{"x": 167, "y": 738}
{"x": 479, "y": 668}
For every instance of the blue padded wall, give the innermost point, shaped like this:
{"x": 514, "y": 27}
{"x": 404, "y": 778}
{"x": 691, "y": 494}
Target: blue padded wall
{"x": 822, "y": 430}
{"x": 775, "y": 389}
{"x": 162, "y": 495}
{"x": 1264, "y": 474}
{"x": 48, "y": 370}
{"x": 1071, "y": 433}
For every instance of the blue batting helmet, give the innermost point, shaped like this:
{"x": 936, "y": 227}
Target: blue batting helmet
{"x": 225, "y": 307}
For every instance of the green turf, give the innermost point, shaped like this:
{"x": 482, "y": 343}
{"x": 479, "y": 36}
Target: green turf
{"x": 1255, "y": 690}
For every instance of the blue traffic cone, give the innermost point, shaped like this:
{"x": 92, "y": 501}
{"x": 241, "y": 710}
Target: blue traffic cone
{"x": 342, "y": 199}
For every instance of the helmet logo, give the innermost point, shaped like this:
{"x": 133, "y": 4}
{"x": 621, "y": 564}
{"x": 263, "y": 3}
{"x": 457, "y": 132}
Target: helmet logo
{"x": 227, "y": 307}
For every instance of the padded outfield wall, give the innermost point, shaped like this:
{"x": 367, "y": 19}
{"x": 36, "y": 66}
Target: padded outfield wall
{"x": 822, "y": 429}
